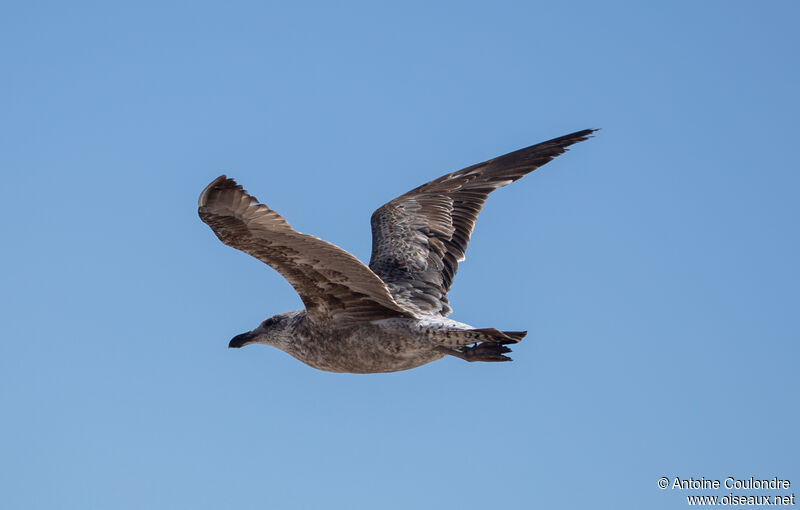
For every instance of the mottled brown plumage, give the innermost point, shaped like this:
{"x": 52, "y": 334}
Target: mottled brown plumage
{"x": 419, "y": 238}
{"x": 391, "y": 315}
{"x": 334, "y": 285}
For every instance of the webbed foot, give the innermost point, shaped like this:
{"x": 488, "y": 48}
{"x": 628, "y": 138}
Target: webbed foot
{"x": 484, "y": 351}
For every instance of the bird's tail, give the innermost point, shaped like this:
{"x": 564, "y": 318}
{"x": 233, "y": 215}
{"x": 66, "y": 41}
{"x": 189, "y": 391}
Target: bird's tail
{"x": 500, "y": 337}
{"x": 462, "y": 337}
{"x": 490, "y": 343}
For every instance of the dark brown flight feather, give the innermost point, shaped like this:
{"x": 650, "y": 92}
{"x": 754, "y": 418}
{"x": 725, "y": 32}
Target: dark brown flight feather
{"x": 333, "y": 285}
{"x": 419, "y": 238}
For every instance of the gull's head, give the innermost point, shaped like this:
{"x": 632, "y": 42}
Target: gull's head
{"x": 270, "y": 332}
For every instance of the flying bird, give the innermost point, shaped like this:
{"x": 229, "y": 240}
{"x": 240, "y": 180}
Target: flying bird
{"x": 392, "y": 314}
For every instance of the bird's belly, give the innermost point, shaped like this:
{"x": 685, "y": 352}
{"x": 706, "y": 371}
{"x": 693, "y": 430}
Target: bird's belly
{"x": 380, "y": 363}
{"x": 366, "y": 350}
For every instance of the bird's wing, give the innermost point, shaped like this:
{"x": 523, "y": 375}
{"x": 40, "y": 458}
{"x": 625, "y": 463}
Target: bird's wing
{"x": 419, "y": 238}
{"x": 333, "y": 284}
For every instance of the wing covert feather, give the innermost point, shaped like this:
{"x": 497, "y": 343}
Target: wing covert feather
{"x": 333, "y": 284}
{"x": 419, "y": 238}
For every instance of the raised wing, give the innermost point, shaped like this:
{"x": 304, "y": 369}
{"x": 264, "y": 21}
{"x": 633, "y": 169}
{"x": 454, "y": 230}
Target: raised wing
{"x": 334, "y": 285}
{"x": 419, "y": 238}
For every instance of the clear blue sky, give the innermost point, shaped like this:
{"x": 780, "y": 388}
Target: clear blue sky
{"x": 655, "y": 266}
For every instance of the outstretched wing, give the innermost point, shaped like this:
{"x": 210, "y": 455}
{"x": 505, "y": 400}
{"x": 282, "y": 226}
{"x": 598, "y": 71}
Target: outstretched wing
{"x": 333, "y": 284}
{"x": 419, "y": 238}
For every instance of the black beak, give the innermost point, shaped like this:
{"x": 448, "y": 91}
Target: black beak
{"x": 240, "y": 340}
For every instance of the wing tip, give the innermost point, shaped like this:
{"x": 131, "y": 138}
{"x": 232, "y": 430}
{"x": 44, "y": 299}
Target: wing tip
{"x": 577, "y": 136}
{"x": 203, "y": 200}
{"x": 557, "y": 146}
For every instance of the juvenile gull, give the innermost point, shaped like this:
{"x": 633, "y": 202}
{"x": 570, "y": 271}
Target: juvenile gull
{"x": 391, "y": 315}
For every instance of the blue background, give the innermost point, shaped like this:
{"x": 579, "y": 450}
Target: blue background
{"x": 655, "y": 265}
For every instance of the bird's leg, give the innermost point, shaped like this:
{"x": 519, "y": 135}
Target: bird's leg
{"x": 484, "y": 351}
